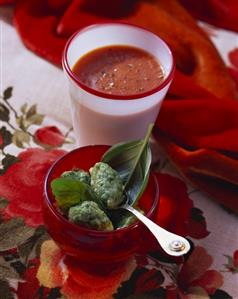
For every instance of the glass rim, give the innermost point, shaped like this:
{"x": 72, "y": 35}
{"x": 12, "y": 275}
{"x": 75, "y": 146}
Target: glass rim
{"x": 60, "y": 217}
{"x": 102, "y": 94}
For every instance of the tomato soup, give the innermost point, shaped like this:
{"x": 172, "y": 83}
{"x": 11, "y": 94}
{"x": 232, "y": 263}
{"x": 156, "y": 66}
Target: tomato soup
{"x": 118, "y": 76}
{"x": 119, "y": 70}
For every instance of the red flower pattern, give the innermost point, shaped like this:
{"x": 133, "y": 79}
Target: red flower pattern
{"x": 49, "y": 136}
{"x": 1, "y": 140}
{"x": 233, "y": 58}
{"x": 57, "y": 270}
{"x": 234, "y": 74}
{"x": 232, "y": 262}
{"x": 175, "y": 208}
{"x": 22, "y": 184}
{"x": 195, "y": 277}
{"x": 235, "y": 258}
{"x": 6, "y": 2}
{"x": 148, "y": 281}
{"x": 29, "y": 285}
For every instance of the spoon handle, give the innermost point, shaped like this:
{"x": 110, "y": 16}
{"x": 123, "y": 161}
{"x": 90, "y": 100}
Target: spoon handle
{"x": 171, "y": 243}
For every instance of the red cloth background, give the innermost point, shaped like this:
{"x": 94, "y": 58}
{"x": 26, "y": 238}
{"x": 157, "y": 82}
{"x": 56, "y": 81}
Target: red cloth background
{"x": 220, "y": 13}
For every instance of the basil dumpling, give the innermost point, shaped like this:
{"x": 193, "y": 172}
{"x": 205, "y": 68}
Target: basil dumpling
{"x": 90, "y": 215}
{"x": 107, "y": 184}
{"x": 77, "y": 174}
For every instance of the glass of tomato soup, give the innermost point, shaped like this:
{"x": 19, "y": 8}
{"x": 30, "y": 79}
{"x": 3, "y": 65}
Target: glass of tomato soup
{"x": 118, "y": 77}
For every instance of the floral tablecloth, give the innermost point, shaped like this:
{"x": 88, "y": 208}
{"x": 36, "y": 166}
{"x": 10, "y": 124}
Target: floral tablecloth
{"x": 35, "y": 130}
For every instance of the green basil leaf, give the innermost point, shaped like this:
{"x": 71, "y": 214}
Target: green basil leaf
{"x": 132, "y": 161}
{"x": 69, "y": 192}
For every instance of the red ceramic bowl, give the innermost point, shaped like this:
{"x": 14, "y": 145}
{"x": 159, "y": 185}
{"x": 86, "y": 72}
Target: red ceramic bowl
{"x": 91, "y": 246}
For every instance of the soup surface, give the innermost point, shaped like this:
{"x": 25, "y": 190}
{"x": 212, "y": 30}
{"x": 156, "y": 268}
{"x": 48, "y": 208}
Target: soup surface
{"x": 119, "y": 70}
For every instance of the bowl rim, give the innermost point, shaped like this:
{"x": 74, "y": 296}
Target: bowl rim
{"x": 64, "y": 220}
{"x": 102, "y": 94}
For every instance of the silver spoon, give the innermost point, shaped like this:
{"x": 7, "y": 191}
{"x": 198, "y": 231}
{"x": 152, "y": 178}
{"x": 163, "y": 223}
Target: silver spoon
{"x": 171, "y": 243}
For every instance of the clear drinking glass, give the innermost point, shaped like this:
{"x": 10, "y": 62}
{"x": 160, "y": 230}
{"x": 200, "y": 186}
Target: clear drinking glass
{"x": 101, "y": 118}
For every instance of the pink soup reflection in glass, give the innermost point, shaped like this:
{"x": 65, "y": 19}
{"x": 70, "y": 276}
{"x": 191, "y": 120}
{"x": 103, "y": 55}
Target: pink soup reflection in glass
{"x": 102, "y": 118}
{"x": 91, "y": 246}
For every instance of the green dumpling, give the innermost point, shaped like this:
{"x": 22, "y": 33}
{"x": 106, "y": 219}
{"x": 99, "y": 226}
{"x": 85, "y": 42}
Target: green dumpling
{"x": 90, "y": 215}
{"x": 77, "y": 174}
{"x": 107, "y": 184}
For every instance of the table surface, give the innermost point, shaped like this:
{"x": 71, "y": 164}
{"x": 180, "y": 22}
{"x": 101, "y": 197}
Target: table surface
{"x": 35, "y": 81}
